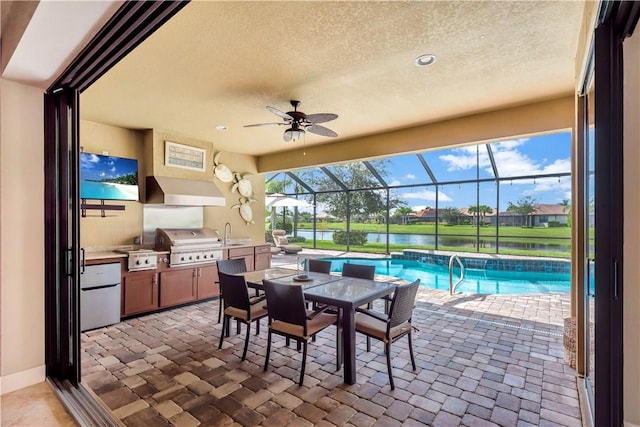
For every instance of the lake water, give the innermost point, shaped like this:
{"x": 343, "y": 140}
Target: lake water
{"x": 427, "y": 240}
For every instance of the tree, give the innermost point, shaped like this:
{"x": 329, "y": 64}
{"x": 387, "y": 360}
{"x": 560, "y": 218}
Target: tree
{"x": 451, "y": 215}
{"x": 525, "y": 207}
{"x": 566, "y": 208}
{"x": 403, "y": 213}
{"x": 365, "y": 197}
{"x": 480, "y": 211}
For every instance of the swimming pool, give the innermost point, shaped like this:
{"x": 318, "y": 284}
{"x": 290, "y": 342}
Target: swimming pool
{"x": 475, "y": 281}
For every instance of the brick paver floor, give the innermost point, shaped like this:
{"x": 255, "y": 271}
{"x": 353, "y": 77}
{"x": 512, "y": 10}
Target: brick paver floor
{"x": 482, "y": 360}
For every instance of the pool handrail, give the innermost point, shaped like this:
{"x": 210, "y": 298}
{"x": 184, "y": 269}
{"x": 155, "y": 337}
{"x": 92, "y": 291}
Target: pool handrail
{"x": 452, "y": 287}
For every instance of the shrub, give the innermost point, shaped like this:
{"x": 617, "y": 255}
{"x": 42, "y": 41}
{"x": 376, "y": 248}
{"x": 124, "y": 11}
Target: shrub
{"x": 357, "y": 238}
{"x": 555, "y": 224}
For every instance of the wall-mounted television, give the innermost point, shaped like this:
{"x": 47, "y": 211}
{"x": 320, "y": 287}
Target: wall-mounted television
{"x": 108, "y": 177}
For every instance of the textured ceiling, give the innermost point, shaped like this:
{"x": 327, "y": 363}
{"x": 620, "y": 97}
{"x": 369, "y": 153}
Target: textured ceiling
{"x": 221, "y": 63}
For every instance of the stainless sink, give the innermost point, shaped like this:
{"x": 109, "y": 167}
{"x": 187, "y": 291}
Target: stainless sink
{"x": 239, "y": 242}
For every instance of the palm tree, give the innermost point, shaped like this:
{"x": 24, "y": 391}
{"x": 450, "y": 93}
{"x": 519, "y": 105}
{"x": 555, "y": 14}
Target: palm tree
{"x": 403, "y": 212}
{"x": 480, "y": 211}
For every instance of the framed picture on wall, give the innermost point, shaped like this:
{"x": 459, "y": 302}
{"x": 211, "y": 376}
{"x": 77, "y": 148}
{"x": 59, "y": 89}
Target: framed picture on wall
{"x": 184, "y": 156}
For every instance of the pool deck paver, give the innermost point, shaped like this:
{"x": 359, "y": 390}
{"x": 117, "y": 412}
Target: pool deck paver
{"x": 490, "y": 360}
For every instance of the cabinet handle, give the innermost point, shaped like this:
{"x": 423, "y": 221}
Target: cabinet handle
{"x": 199, "y": 272}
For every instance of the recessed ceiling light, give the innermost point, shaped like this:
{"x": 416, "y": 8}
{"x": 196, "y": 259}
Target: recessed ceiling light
{"x": 222, "y": 127}
{"x": 425, "y": 60}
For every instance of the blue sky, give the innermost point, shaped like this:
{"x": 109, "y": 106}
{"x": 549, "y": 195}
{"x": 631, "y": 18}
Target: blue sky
{"x": 546, "y": 154}
{"x": 95, "y": 167}
{"x": 518, "y": 157}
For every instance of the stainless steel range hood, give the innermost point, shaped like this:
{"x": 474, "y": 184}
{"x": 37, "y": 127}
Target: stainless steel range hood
{"x": 182, "y": 192}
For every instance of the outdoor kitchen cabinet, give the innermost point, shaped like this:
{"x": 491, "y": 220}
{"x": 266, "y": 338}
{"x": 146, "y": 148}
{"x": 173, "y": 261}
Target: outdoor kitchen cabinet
{"x": 178, "y": 286}
{"x": 262, "y": 257}
{"x": 208, "y": 282}
{"x": 183, "y": 285}
{"x": 139, "y": 292}
{"x": 245, "y": 252}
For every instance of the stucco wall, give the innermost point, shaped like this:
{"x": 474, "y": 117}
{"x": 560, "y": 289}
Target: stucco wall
{"x": 631, "y": 277}
{"x": 120, "y": 227}
{"x": 22, "y": 235}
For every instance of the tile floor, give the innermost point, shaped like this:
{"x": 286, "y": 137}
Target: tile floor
{"x": 34, "y": 406}
{"x": 482, "y": 360}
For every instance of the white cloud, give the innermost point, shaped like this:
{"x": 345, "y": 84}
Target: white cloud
{"x": 428, "y": 195}
{"x": 410, "y": 176}
{"x": 467, "y": 159}
{"x": 394, "y": 183}
{"x": 508, "y": 144}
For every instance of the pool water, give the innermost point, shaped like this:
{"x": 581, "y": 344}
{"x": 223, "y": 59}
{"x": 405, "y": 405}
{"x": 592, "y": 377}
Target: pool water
{"x": 475, "y": 281}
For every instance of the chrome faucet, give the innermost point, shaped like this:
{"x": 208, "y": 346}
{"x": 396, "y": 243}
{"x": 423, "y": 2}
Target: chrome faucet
{"x": 227, "y": 233}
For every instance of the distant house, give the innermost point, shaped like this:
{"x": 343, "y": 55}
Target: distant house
{"x": 545, "y": 213}
{"x": 429, "y": 215}
{"x": 539, "y": 218}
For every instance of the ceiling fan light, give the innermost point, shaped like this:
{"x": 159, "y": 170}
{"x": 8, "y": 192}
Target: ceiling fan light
{"x": 293, "y": 134}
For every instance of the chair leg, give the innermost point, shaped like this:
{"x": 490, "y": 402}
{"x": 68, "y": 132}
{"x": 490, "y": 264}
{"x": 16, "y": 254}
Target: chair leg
{"x": 339, "y": 350}
{"x": 219, "y": 308}
{"x": 304, "y": 362}
{"x": 258, "y": 327}
{"x": 246, "y": 341}
{"x": 266, "y": 357}
{"x": 224, "y": 324}
{"x": 388, "y": 351}
{"x": 237, "y": 327}
{"x": 368, "y": 344}
{"x": 413, "y": 361}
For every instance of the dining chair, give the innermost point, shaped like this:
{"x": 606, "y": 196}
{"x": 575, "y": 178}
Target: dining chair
{"x": 238, "y": 305}
{"x": 320, "y": 266}
{"x": 390, "y": 327}
{"x": 359, "y": 270}
{"x": 289, "y": 318}
{"x": 229, "y": 266}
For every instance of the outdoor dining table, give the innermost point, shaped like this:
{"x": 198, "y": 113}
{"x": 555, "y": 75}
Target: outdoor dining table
{"x": 345, "y": 293}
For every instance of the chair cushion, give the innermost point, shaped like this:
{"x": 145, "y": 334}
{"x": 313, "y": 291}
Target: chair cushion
{"x": 377, "y": 328}
{"x": 314, "y": 326}
{"x": 290, "y": 248}
{"x": 257, "y": 311}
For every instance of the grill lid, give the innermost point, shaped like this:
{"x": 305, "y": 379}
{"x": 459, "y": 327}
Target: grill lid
{"x": 186, "y": 238}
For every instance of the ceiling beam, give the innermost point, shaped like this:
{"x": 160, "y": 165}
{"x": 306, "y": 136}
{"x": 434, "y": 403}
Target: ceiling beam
{"x": 514, "y": 122}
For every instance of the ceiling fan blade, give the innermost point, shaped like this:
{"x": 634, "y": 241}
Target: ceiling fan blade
{"x": 263, "y": 124}
{"x": 279, "y": 113}
{"x": 321, "y": 130}
{"x": 321, "y": 117}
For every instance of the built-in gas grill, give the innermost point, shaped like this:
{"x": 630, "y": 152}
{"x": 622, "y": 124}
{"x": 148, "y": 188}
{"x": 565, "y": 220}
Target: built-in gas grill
{"x": 189, "y": 246}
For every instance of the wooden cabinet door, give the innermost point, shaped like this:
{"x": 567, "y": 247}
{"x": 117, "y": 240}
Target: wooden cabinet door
{"x": 246, "y": 253}
{"x": 208, "y": 285}
{"x": 178, "y": 286}
{"x": 139, "y": 292}
{"x": 263, "y": 257}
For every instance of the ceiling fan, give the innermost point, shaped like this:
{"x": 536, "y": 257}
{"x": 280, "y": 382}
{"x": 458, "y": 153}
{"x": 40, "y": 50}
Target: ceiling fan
{"x": 300, "y": 122}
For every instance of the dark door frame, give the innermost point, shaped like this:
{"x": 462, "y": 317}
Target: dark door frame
{"x": 129, "y": 26}
{"x": 617, "y": 21}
